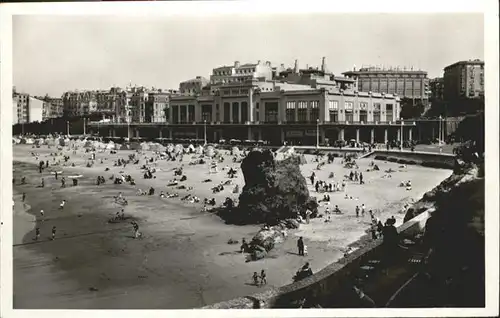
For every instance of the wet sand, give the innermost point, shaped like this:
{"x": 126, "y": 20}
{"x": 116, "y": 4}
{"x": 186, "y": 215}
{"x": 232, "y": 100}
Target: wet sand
{"x": 184, "y": 260}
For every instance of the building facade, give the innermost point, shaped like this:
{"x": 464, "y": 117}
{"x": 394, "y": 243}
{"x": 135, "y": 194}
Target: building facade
{"x": 464, "y": 80}
{"x": 242, "y": 73}
{"x": 436, "y": 86}
{"x": 276, "y": 112}
{"x": 157, "y": 107}
{"x": 407, "y": 84}
{"x": 15, "y": 112}
{"x": 35, "y": 113}
{"x": 21, "y": 108}
{"x": 52, "y": 107}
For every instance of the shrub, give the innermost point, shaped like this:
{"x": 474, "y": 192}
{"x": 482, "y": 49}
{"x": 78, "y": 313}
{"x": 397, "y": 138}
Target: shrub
{"x": 392, "y": 159}
{"x": 378, "y": 157}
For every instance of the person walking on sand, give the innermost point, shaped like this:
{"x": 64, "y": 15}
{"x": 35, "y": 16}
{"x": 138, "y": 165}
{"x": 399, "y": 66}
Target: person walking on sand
{"x": 24, "y": 196}
{"x": 363, "y": 208}
{"x": 53, "y": 232}
{"x": 42, "y": 214}
{"x": 42, "y": 184}
{"x": 61, "y": 206}
{"x": 300, "y": 246}
{"x": 63, "y": 182}
{"x": 37, "y": 234}
{"x": 263, "y": 279}
{"x": 357, "y": 211}
{"x": 55, "y": 175}
{"x": 137, "y": 234}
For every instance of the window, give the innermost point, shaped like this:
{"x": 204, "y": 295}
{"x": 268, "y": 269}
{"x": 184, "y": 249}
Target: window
{"x": 236, "y": 112}
{"x": 227, "y": 113}
{"x": 206, "y": 112}
{"x": 302, "y": 111}
{"x": 376, "y": 107}
{"x": 363, "y": 106}
{"x": 349, "y": 105}
{"x": 271, "y": 112}
{"x": 334, "y": 116}
{"x": 363, "y": 116}
{"x": 314, "y": 111}
{"x": 389, "y": 114}
{"x": 333, "y": 105}
{"x": 244, "y": 112}
{"x": 175, "y": 114}
{"x": 290, "y": 112}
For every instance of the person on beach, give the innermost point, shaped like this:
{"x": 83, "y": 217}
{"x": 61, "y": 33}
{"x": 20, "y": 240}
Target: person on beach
{"x": 263, "y": 279}
{"x": 363, "y": 208}
{"x": 53, "y": 232}
{"x": 357, "y": 211}
{"x": 23, "y": 180}
{"x": 137, "y": 234}
{"x": 63, "y": 182}
{"x": 61, "y": 206}
{"x": 40, "y": 166}
{"x": 244, "y": 246}
{"x": 24, "y": 196}
{"x": 42, "y": 185}
{"x": 55, "y": 175}
{"x": 300, "y": 246}
{"x": 255, "y": 278}
{"x": 37, "y": 234}
{"x": 42, "y": 214}
{"x": 361, "y": 178}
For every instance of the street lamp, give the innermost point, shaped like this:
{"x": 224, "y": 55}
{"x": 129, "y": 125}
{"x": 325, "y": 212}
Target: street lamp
{"x": 439, "y": 139}
{"x": 84, "y": 128}
{"x": 205, "y": 132}
{"x": 67, "y": 127}
{"x": 401, "y": 141}
{"x": 317, "y": 133}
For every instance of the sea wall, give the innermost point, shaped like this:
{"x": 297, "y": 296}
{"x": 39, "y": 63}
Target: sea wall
{"x": 430, "y": 159}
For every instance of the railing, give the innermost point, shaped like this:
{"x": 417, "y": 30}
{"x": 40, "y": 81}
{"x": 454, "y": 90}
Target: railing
{"x": 338, "y": 122}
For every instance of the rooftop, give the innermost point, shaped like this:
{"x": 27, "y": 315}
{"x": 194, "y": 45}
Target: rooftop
{"x": 469, "y": 62}
{"x": 385, "y": 70}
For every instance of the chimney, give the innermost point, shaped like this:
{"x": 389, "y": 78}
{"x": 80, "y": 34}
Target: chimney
{"x": 323, "y": 64}
{"x": 236, "y": 63}
{"x": 296, "y": 67}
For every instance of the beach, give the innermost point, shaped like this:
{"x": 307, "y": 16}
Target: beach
{"x": 183, "y": 260}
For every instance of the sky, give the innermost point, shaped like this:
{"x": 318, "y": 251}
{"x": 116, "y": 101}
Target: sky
{"x": 54, "y": 54}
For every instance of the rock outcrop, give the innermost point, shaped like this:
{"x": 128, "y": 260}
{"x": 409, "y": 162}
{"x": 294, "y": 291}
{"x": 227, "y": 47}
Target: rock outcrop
{"x": 273, "y": 191}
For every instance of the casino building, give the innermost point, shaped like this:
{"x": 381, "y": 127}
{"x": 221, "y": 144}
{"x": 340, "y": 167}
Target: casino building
{"x": 301, "y": 107}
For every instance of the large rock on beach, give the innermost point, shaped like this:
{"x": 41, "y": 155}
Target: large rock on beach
{"x": 273, "y": 191}
{"x": 268, "y": 238}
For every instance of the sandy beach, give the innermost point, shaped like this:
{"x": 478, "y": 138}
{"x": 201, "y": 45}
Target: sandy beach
{"x": 184, "y": 260}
